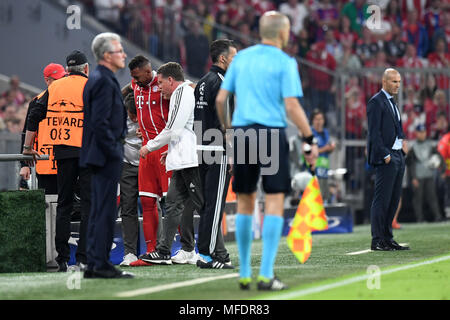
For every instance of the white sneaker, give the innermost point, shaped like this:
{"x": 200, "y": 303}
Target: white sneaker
{"x": 129, "y": 258}
{"x": 185, "y": 257}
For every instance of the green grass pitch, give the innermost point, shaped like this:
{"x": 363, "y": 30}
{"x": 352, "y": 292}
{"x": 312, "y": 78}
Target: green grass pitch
{"x": 330, "y": 273}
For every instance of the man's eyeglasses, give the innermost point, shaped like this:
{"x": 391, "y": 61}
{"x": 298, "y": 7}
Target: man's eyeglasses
{"x": 118, "y": 51}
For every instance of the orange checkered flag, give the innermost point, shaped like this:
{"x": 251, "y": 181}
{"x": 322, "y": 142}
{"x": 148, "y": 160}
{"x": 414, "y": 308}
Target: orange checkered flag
{"x": 310, "y": 216}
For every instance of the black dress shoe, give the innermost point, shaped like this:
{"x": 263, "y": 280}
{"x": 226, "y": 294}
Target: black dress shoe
{"x": 395, "y": 246}
{"x": 88, "y": 273}
{"x": 381, "y": 246}
{"x": 110, "y": 274}
{"x": 62, "y": 266}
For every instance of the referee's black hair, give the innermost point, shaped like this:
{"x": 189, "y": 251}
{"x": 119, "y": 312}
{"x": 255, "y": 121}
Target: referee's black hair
{"x": 138, "y": 62}
{"x": 220, "y": 47}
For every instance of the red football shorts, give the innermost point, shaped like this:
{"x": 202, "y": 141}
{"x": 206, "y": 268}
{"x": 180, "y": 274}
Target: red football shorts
{"x": 153, "y": 178}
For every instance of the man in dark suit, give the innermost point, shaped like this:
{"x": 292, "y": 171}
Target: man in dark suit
{"x": 102, "y": 150}
{"x": 385, "y": 153}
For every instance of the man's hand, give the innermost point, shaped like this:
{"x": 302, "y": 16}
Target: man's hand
{"x": 405, "y": 146}
{"x": 33, "y": 153}
{"x": 312, "y": 156}
{"x": 143, "y": 152}
{"x": 164, "y": 157}
{"x": 25, "y": 173}
{"x": 387, "y": 160}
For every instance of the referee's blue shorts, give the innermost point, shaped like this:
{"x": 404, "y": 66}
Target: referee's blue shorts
{"x": 248, "y": 141}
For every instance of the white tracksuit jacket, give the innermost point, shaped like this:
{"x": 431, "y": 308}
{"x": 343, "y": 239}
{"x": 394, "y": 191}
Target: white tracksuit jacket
{"x": 179, "y": 132}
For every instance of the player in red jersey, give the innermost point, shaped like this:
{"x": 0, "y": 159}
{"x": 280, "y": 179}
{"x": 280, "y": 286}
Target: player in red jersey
{"x": 152, "y": 113}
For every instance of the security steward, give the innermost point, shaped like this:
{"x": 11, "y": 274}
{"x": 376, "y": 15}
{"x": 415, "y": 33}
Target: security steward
{"x": 45, "y": 169}
{"x": 61, "y": 106}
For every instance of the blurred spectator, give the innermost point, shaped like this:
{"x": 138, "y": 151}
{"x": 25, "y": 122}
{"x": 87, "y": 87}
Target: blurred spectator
{"x": 433, "y": 17}
{"x": 136, "y": 30}
{"x": 169, "y": 16}
{"x": 348, "y": 60}
{"x": 244, "y": 40}
{"x": 13, "y": 125}
{"x": 303, "y": 43}
{"x": 412, "y": 113}
{"x": 411, "y": 60}
{"x": 236, "y": 11}
{"x": 428, "y": 89}
{"x": 327, "y": 17}
{"x": 14, "y": 95}
{"x": 394, "y": 13}
{"x": 197, "y": 50}
{"x": 395, "y": 47}
{"x": 443, "y": 31}
{"x": 440, "y": 59}
{"x": 422, "y": 171}
{"x": 433, "y": 107}
{"x": 297, "y": 12}
{"x": 355, "y": 115}
{"x": 207, "y": 19}
{"x": 356, "y": 11}
{"x": 326, "y": 146}
{"x": 109, "y": 13}
{"x": 414, "y": 5}
{"x": 261, "y": 6}
{"x": 440, "y": 127}
{"x": 9, "y": 112}
{"x": 416, "y": 34}
{"x": 345, "y": 35}
{"x": 367, "y": 47}
{"x": 372, "y": 79}
{"x": 222, "y": 19}
{"x": 322, "y": 88}
{"x": 332, "y": 45}
{"x": 354, "y": 83}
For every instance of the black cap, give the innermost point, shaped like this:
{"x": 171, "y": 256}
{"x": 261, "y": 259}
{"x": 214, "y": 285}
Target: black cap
{"x": 76, "y": 58}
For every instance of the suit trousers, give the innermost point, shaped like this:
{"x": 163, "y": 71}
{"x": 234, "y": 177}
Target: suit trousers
{"x": 103, "y": 214}
{"x": 388, "y": 189}
{"x": 68, "y": 174}
{"x": 185, "y": 186}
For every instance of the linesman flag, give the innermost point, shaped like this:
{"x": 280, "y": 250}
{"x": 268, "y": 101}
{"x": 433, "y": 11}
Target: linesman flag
{"x": 310, "y": 216}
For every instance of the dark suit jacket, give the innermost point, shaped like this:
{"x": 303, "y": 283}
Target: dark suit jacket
{"x": 383, "y": 128}
{"x": 105, "y": 119}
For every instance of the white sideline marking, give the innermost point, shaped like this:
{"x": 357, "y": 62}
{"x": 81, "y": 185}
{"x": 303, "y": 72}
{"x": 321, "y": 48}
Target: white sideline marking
{"x": 304, "y": 292}
{"x": 367, "y": 251}
{"x": 163, "y": 287}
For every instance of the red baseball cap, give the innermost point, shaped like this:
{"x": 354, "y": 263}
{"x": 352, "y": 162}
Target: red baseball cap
{"x": 54, "y": 71}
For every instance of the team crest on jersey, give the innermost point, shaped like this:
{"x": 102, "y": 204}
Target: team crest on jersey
{"x": 155, "y": 88}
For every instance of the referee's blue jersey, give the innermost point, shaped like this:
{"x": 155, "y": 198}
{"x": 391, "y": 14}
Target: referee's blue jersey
{"x": 261, "y": 76}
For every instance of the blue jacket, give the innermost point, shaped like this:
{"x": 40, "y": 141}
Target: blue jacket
{"x": 383, "y": 128}
{"x": 105, "y": 119}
